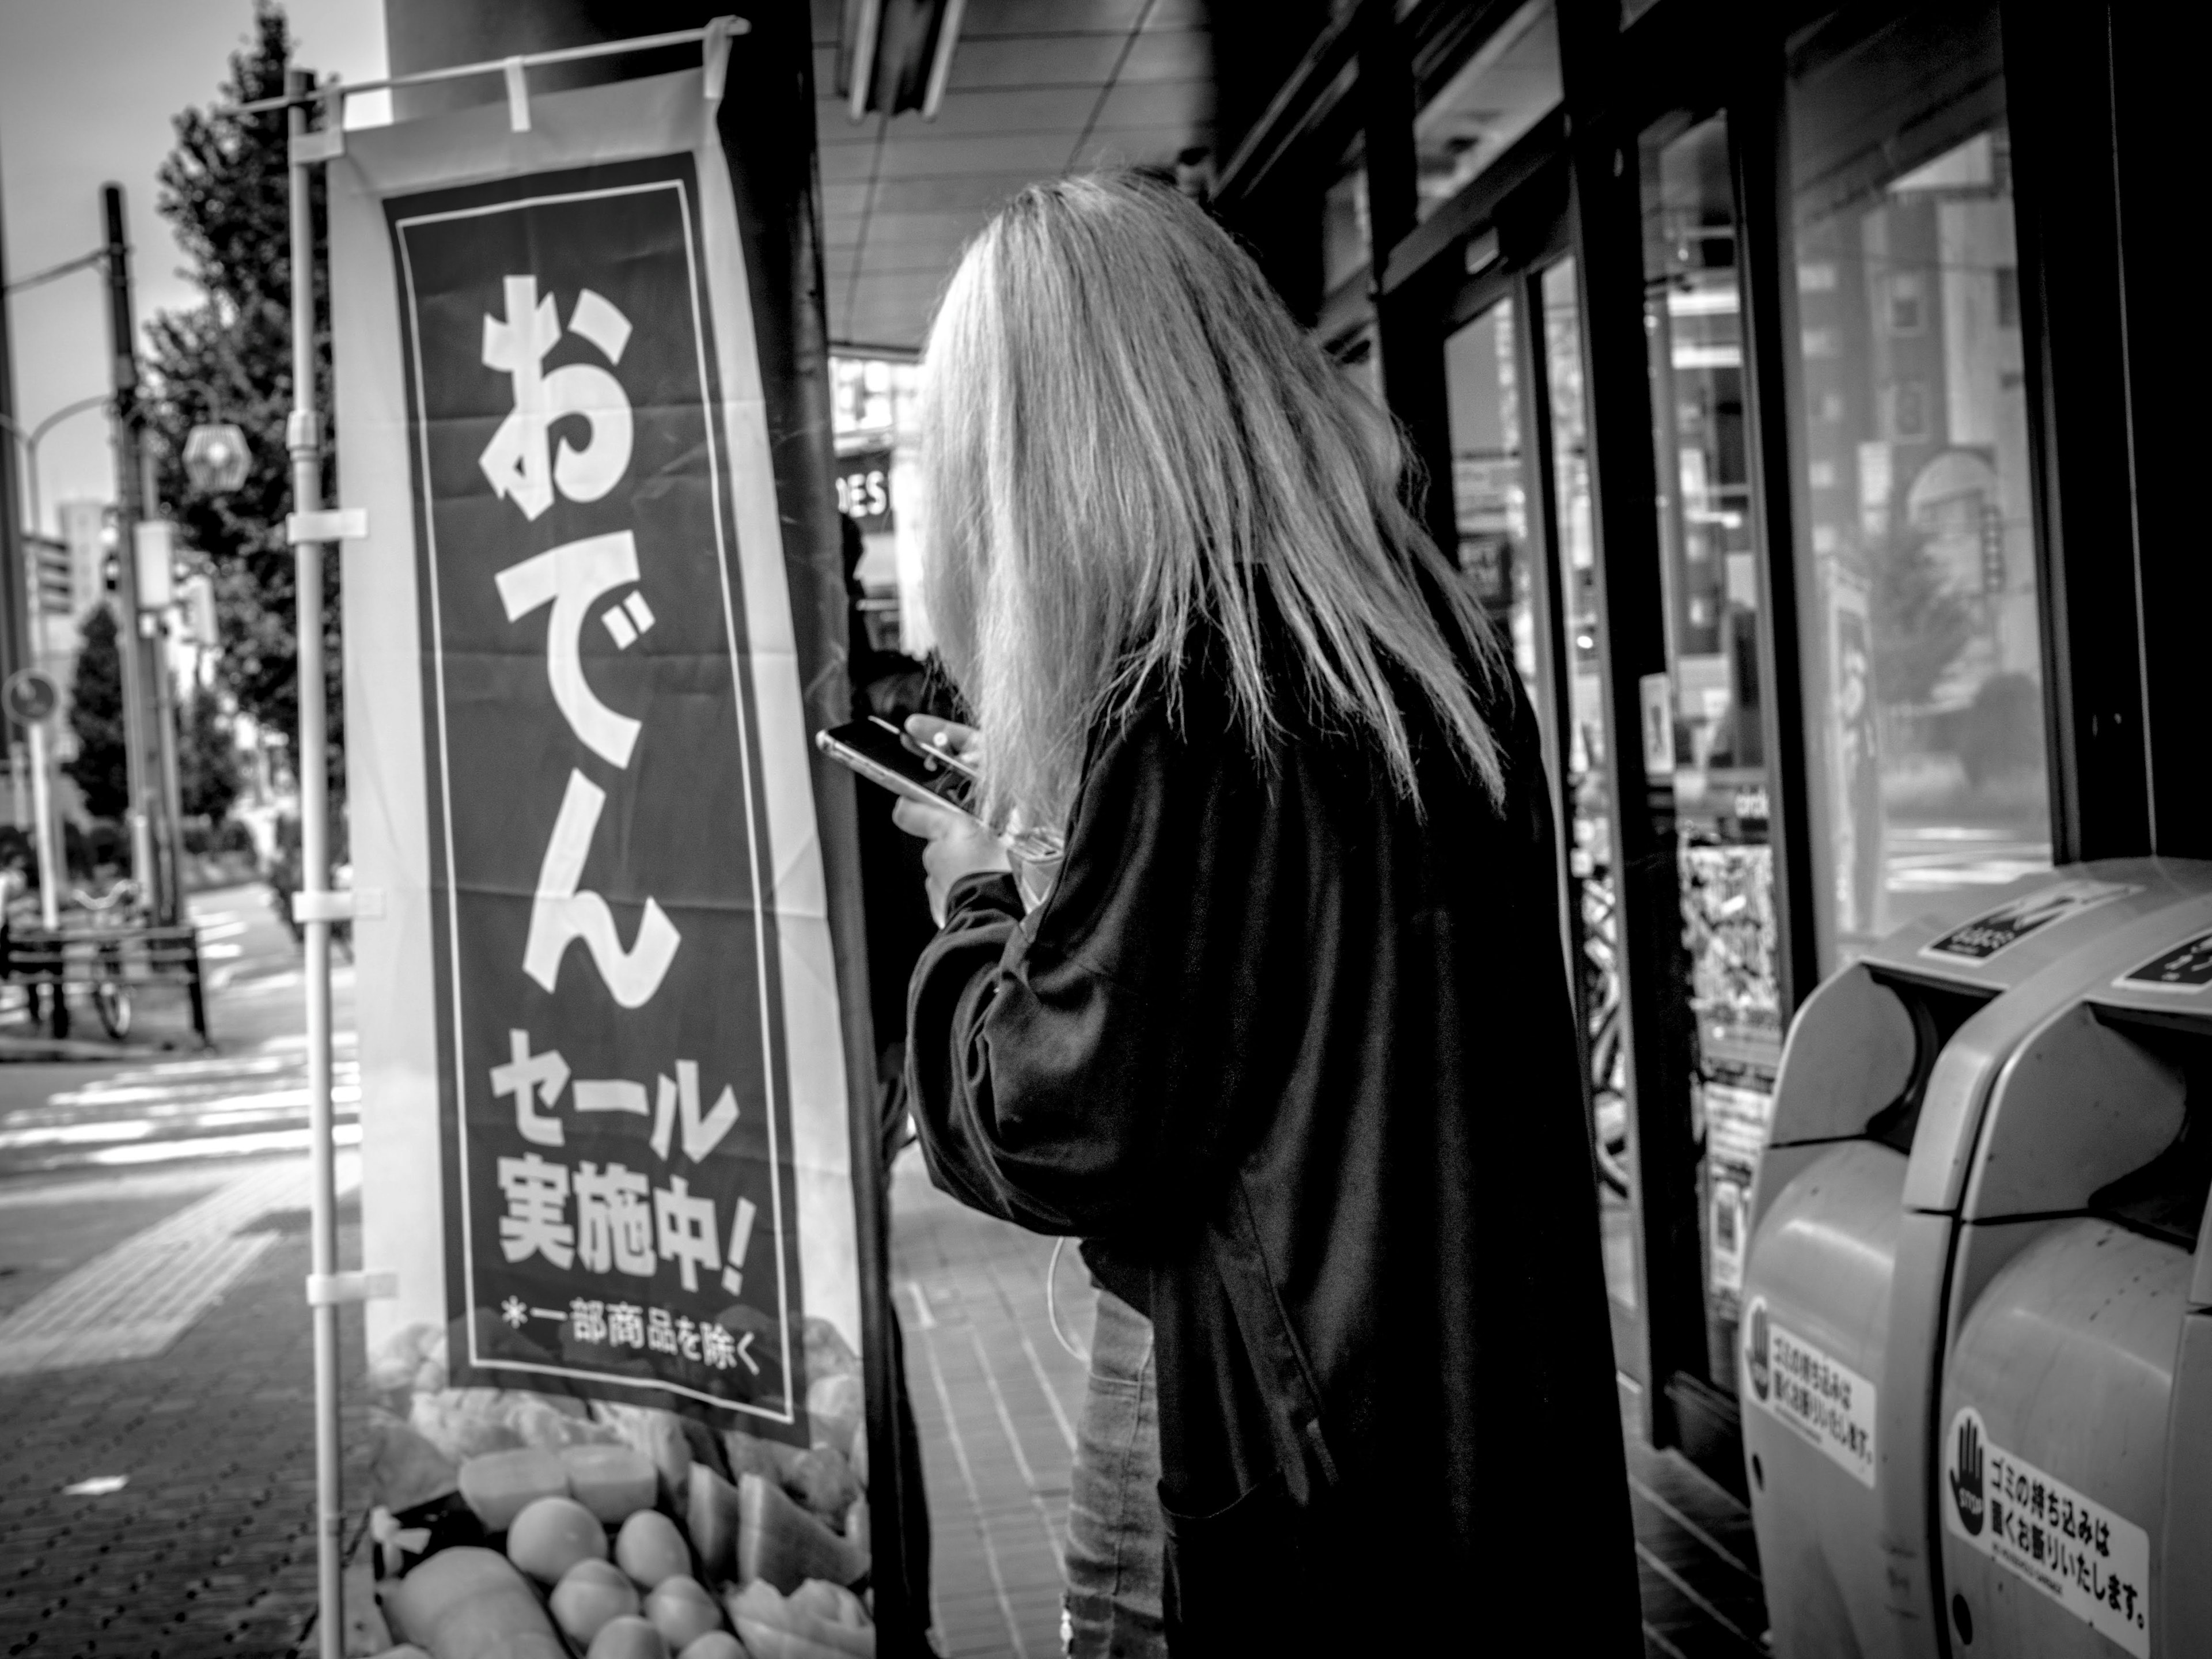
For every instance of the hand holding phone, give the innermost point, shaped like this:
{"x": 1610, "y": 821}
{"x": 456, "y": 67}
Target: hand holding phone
{"x": 883, "y": 755}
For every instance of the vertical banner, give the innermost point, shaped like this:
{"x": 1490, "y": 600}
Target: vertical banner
{"x": 609, "y": 1007}
{"x": 606, "y": 1124}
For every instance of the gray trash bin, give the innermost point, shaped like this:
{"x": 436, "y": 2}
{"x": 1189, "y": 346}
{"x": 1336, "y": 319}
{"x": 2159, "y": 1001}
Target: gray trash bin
{"x": 1884, "y": 1080}
{"x": 2075, "y": 1471}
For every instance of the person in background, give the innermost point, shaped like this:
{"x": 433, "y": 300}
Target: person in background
{"x": 1288, "y": 1043}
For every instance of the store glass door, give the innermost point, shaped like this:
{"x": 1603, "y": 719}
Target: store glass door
{"x": 1520, "y": 491}
{"x": 1703, "y": 729}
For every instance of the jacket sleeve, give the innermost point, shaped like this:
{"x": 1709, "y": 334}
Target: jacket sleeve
{"x": 1071, "y": 1071}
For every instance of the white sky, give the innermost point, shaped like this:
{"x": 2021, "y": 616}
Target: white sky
{"x": 87, "y": 89}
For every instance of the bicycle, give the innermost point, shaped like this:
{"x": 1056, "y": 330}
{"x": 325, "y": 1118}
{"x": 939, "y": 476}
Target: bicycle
{"x": 111, "y": 988}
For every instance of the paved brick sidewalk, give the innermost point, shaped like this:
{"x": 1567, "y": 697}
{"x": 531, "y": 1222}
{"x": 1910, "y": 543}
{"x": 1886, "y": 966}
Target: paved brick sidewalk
{"x": 209, "y": 1548}
{"x": 996, "y": 1399}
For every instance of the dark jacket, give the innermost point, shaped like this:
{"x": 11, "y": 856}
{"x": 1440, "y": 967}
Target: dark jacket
{"x": 1299, "y": 1061}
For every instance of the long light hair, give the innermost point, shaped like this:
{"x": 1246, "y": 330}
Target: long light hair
{"x": 1123, "y": 427}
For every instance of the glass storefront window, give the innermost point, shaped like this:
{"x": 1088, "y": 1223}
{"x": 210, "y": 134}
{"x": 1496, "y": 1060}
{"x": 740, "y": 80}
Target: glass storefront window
{"x": 1703, "y": 731}
{"x": 1503, "y": 90}
{"x": 1345, "y": 231}
{"x": 1488, "y": 492}
{"x": 1922, "y": 653}
{"x": 1590, "y": 889}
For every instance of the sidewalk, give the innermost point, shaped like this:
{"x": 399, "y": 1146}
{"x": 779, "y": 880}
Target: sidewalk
{"x": 210, "y": 1547}
{"x": 996, "y": 1399}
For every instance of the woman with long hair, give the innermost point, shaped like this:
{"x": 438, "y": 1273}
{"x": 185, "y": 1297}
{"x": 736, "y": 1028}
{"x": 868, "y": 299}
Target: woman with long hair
{"x": 1287, "y": 1044}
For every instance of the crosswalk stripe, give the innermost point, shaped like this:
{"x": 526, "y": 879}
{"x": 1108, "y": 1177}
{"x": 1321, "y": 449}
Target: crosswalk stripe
{"x": 133, "y": 1300}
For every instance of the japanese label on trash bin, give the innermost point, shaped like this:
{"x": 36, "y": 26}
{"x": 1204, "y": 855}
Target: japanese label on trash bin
{"x": 1813, "y": 1392}
{"x": 620, "y": 1201}
{"x": 2091, "y": 1561}
{"x": 2185, "y": 969}
{"x": 1983, "y": 936}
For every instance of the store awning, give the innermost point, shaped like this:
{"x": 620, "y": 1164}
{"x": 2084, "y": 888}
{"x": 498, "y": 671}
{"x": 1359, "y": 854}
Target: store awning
{"x": 1035, "y": 89}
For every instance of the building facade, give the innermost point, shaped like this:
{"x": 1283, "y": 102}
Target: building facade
{"x": 1795, "y": 385}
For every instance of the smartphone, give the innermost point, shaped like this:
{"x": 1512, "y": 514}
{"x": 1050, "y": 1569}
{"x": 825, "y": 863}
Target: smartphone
{"x": 882, "y": 754}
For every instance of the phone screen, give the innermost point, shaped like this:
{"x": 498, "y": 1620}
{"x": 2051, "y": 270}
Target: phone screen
{"x": 879, "y": 751}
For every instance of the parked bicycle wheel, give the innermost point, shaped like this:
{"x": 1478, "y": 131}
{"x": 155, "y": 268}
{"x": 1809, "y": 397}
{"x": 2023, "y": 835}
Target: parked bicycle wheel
{"x": 111, "y": 994}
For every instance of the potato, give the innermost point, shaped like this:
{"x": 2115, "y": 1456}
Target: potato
{"x": 628, "y": 1638}
{"x": 589, "y": 1595}
{"x": 469, "y": 1603}
{"x": 498, "y": 1485}
{"x": 650, "y": 1549}
{"x": 611, "y": 1481}
{"x": 551, "y": 1535}
{"x": 714, "y": 1644}
{"x": 682, "y": 1611}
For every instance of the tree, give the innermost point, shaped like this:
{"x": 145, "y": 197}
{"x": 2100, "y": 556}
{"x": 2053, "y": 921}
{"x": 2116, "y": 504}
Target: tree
{"x": 1919, "y": 622}
{"x": 225, "y": 191}
{"x": 207, "y": 759}
{"x": 101, "y": 770}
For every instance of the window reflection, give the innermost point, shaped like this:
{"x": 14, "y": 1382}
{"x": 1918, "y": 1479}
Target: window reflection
{"x": 1703, "y": 733}
{"x": 1502, "y": 91}
{"x": 1344, "y": 232}
{"x": 1489, "y": 495}
{"x": 1922, "y": 654}
{"x": 1589, "y": 816}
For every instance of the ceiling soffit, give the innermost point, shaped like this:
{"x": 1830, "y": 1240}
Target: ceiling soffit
{"x": 1037, "y": 89}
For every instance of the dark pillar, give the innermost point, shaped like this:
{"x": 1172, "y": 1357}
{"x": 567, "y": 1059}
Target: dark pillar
{"x": 15, "y": 618}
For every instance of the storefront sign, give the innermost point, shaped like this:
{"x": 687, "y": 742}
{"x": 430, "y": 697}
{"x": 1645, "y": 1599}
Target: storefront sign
{"x": 1983, "y": 936}
{"x": 2186, "y": 969}
{"x": 2093, "y": 1562}
{"x": 1656, "y": 695}
{"x": 1816, "y": 1394}
{"x": 864, "y": 489}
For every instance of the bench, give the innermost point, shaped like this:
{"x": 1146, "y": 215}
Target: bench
{"x": 109, "y": 962}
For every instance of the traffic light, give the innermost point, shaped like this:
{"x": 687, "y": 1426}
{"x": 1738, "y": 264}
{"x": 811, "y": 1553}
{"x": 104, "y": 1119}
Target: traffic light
{"x": 53, "y": 593}
{"x": 1993, "y": 548}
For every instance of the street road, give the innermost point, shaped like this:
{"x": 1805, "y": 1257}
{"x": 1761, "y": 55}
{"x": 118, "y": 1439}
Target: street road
{"x": 248, "y": 1096}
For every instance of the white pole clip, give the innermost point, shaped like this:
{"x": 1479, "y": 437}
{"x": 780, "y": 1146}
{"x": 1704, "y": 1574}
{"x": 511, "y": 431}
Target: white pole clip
{"x": 330, "y": 1290}
{"x": 518, "y": 93}
{"x": 714, "y": 57}
{"x": 326, "y": 906}
{"x": 329, "y": 524}
{"x": 324, "y": 144}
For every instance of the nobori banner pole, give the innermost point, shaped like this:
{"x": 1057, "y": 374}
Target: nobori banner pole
{"x": 303, "y": 437}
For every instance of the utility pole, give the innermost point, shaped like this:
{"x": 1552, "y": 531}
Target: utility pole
{"x": 153, "y": 624}
{"x": 123, "y": 344}
{"x": 14, "y": 592}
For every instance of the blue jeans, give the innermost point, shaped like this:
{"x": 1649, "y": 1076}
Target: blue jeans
{"x": 1116, "y": 1535}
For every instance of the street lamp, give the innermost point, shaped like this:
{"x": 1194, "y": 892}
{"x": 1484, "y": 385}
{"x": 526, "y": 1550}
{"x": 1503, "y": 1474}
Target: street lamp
{"x": 217, "y": 457}
{"x": 32, "y": 437}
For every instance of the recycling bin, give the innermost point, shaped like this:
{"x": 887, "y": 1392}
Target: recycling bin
{"x": 1878, "y": 1107}
{"x": 2074, "y": 1467}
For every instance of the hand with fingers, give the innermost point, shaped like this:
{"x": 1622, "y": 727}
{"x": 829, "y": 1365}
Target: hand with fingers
{"x": 958, "y": 845}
